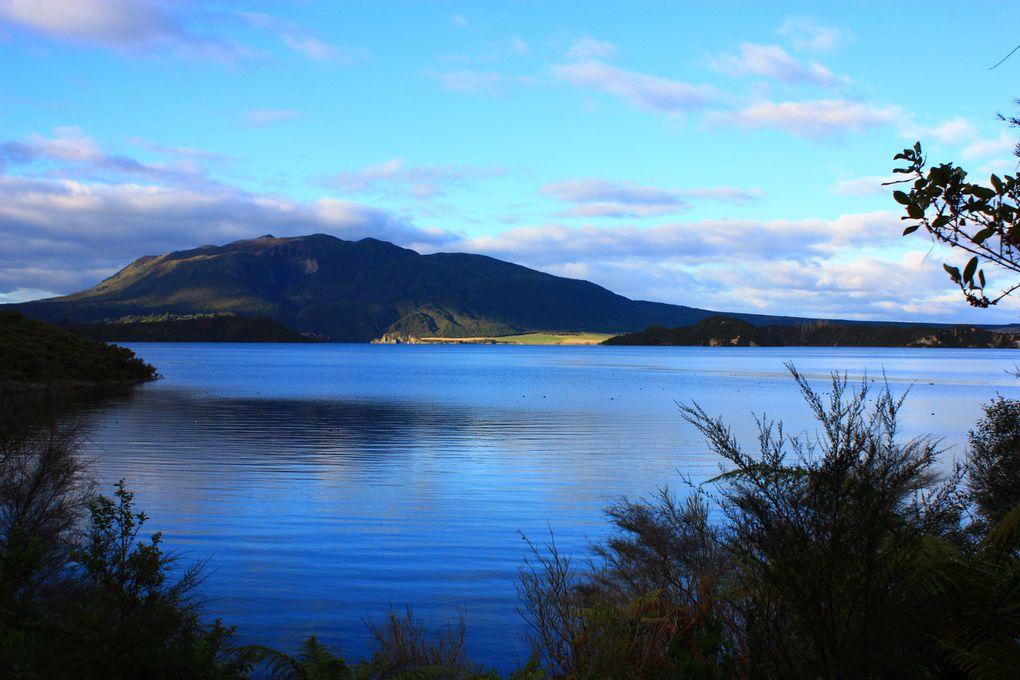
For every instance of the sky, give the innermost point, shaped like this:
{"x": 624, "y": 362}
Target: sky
{"x": 723, "y": 155}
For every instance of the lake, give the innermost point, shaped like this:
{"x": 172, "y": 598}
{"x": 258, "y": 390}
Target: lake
{"x": 328, "y": 483}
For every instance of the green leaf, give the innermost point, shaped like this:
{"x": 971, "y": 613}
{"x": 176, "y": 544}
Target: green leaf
{"x": 981, "y": 278}
{"x": 953, "y": 272}
{"x": 997, "y": 183}
{"x": 983, "y": 235}
{"x": 901, "y": 198}
{"x": 911, "y": 229}
{"x": 915, "y": 212}
{"x": 917, "y": 148}
{"x": 968, "y": 271}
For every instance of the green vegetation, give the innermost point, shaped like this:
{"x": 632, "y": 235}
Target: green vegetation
{"x": 725, "y": 331}
{"x": 994, "y": 472}
{"x": 716, "y": 330}
{"x": 361, "y": 291}
{"x": 192, "y": 328}
{"x": 843, "y": 553}
{"x": 33, "y": 352}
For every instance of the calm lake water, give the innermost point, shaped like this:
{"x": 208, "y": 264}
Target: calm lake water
{"x": 328, "y": 483}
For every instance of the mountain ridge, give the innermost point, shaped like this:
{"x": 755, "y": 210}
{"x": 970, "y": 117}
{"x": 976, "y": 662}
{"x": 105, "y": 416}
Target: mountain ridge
{"x": 358, "y": 291}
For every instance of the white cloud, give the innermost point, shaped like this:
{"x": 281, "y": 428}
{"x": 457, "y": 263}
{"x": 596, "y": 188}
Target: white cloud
{"x": 316, "y": 49}
{"x": 814, "y": 119}
{"x": 646, "y": 91}
{"x": 397, "y": 177}
{"x": 181, "y": 152}
{"x": 591, "y": 48}
{"x": 24, "y": 295}
{"x": 1003, "y": 145}
{"x": 725, "y": 194}
{"x": 772, "y": 61}
{"x": 853, "y": 266}
{"x": 261, "y": 117}
{"x": 297, "y": 39}
{"x": 807, "y": 34}
{"x": 588, "y": 190}
{"x": 481, "y": 82}
{"x": 864, "y": 186}
{"x": 953, "y": 131}
{"x": 1001, "y": 166}
{"x": 116, "y": 22}
{"x": 603, "y": 198}
{"x": 125, "y": 25}
{"x": 518, "y": 45}
{"x": 695, "y": 242}
{"x": 68, "y": 144}
{"x": 70, "y": 152}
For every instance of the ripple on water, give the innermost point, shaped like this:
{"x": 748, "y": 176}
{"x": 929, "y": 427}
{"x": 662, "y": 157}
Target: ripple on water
{"x": 326, "y": 483}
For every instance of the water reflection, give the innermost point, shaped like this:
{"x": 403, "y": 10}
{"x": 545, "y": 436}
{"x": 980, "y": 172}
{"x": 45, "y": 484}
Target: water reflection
{"x": 326, "y": 483}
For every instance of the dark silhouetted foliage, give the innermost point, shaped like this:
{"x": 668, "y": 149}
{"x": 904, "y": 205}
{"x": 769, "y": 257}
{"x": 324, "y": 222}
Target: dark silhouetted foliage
{"x": 980, "y": 220}
{"x": 727, "y": 332}
{"x": 835, "y": 554}
{"x": 994, "y": 461}
{"x": 37, "y": 352}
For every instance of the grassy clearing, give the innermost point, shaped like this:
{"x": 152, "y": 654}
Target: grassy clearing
{"x": 537, "y": 338}
{"x": 555, "y": 338}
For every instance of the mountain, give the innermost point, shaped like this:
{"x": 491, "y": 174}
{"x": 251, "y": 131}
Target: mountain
{"x": 719, "y": 331}
{"x": 357, "y": 291}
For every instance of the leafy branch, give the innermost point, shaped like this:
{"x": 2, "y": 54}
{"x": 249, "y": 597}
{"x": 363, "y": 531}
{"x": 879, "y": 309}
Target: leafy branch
{"x": 977, "y": 219}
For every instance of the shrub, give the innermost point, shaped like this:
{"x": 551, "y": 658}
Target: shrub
{"x": 994, "y": 461}
{"x": 837, "y": 554}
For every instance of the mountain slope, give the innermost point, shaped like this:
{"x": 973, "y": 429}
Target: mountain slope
{"x": 356, "y": 291}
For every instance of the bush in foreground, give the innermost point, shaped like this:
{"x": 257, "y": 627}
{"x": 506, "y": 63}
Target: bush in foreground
{"x": 841, "y": 554}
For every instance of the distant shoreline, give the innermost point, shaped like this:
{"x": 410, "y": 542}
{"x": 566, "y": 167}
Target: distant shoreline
{"x": 534, "y": 338}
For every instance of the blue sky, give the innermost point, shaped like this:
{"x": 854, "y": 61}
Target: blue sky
{"x": 717, "y": 154}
